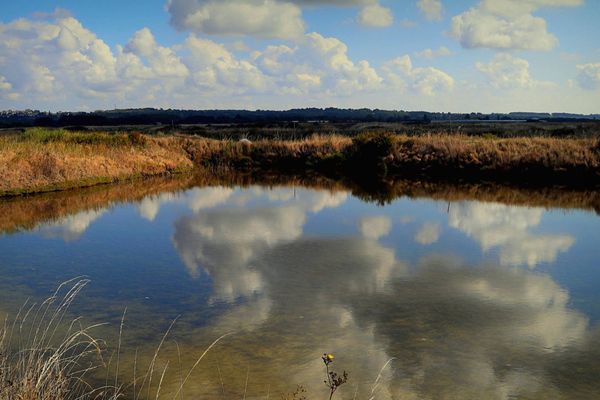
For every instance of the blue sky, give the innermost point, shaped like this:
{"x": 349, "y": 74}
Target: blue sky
{"x": 437, "y": 55}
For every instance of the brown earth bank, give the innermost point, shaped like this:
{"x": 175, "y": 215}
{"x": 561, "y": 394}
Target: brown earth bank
{"x": 41, "y": 160}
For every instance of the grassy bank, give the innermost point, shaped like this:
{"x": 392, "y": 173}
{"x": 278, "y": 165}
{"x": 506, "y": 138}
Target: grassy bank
{"x": 454, "y": 158}
{"x": 45, "y": 160}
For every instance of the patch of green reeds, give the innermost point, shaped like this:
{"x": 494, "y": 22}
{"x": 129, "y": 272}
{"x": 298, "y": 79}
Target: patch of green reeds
{"x": 46, "y": 135}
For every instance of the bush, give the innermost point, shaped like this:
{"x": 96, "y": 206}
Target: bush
{"x": 378, "y": 144}
{"x": 369, "y": 151}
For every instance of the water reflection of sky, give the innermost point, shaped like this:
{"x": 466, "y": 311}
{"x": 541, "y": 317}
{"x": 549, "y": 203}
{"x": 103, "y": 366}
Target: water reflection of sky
{"x": 475, "y": 300}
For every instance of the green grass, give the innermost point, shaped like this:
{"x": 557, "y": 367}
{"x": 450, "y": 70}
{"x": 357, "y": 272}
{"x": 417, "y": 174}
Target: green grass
{"x": 45, "y": 135}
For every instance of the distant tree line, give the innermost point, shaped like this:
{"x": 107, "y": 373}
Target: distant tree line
{"x": 152, "y": 116}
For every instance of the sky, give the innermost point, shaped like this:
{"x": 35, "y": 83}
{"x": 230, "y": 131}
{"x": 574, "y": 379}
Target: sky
{"x": 433, "y": 55}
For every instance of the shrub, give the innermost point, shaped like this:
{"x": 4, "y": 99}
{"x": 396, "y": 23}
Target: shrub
{"x": 369, "y": 151}
{"x": 375, "y": 145}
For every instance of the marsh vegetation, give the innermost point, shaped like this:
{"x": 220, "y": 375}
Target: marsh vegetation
{"x": 42, "y": 159}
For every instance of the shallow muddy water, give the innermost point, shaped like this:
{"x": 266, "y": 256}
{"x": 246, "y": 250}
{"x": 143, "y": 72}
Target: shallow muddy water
{"x": 468, "y": 299}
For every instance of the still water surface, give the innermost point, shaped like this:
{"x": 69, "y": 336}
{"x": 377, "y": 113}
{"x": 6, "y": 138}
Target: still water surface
{"x": 470, "y": 300}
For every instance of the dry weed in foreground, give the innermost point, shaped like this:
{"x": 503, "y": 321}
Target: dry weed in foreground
{"x": 44, "y": 356}
{"x": 333, "y": 381}
{"x": 41, "y": 359}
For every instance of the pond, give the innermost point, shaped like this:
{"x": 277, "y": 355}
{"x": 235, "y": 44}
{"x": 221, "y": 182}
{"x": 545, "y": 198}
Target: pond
{"x": 441, "y": 297}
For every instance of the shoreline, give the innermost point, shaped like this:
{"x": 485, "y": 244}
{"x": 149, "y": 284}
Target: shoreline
{"x": 43, "y": 160}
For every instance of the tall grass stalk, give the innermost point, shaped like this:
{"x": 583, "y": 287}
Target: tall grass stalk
{"x": 44, "y": 356}
{"x": 41, "y": 358}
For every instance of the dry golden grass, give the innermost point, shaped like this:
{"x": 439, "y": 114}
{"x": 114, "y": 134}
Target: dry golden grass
{"x": 44, "y": 358}
{"x": 226, "y": 152}
{"x": 43, "y": 160}
{"x": 29, "y": 165}
{"x": 451, "y": 150}
{"x": 501, "y": 154}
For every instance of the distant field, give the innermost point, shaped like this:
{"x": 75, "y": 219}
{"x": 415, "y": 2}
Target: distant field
{"x": 41, "y": 159}
{"x": 298, "y": 130}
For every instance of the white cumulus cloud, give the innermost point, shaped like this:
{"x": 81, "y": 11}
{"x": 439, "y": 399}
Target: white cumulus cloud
{"x": 279, "y": 19}
{"x": 262, "y": 18}
{"x": 424, "y": 80}
{"x": 588, "y": 76}
{"x": 507, "y": 24}
{"x": 506, "y": 71}
{"x": 433, "y": 53}
{"x": 57, "y": 62}
{"x": 54, "y": 62}
{"x": 162, "y": 61}
{"x": 432, "y": 9}
{"x": 4, "y": 84}
{"x": 331, "y": 55}
{"x": 376, "y": 16}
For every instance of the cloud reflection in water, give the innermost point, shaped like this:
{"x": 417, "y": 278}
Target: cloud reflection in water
{"x": 458, "y": 331}
{"x": 70, "y": 228}
{"x": 509, "y": 229}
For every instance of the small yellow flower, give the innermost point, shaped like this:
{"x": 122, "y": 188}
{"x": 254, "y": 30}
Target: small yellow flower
{"x": 330, "y": 357}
